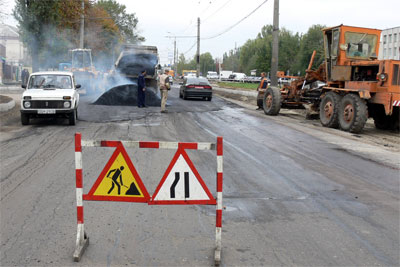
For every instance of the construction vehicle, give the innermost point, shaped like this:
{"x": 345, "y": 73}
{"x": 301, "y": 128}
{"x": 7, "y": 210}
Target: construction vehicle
{"x": 133, "y": 59}
{"x": 84, "y": 71}
{"x": 356, "y": 84}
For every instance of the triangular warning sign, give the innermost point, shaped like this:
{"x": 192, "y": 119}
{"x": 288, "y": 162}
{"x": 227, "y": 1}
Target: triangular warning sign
{"x": 119, "y": 181}
{"x": 182, "y": 184}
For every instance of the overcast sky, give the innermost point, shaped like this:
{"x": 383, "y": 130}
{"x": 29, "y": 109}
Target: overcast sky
{"x": 179, "y": 17}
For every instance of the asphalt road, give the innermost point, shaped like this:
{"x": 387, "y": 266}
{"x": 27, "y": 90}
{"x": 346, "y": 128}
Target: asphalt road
{"x": 294, "y": 193}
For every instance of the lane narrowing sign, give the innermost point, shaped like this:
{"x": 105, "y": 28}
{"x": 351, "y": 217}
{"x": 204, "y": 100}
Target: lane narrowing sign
{"x": 182, "y": 184}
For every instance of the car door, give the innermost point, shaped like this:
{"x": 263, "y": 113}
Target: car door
{"x": 182, "y": 88}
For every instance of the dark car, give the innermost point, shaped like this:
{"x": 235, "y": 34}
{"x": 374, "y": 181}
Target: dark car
{"x": 195, "y": 87}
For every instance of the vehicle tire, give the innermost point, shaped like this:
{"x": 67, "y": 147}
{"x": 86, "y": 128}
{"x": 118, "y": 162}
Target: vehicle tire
{"x": 384, "y": 122}
{"x": 72, "y": 117}
{"x": 24, "y": 119}
{"x": 353, "y": 113}
{"x": 180, "y": 95}
{"x": 184, "y": 96}
{"x": 329, "y": 110}
{"x": 209, "y": 98}
{"x": 272, "y": 101}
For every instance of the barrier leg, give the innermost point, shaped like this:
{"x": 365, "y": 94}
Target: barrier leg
{"x": 218, "y": 223}
{"x": 82, "y": 240}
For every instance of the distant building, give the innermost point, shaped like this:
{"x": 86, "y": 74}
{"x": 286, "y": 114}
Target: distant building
{"x": 13, "y": 54}
{"x": 389, "y": 47}
{"x": 9, "y": 37}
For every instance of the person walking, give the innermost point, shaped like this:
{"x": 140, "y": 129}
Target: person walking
{"x": 164, "y": 90}
{"x": 262, "y": 87}
{"x": 141, "y": 90}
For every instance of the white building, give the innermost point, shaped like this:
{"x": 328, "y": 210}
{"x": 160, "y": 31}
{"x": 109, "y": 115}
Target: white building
{"x": 389, "y": 47}
{"x": 9, "y": 37}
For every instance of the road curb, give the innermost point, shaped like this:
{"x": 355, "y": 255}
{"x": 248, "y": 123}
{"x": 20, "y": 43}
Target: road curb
{"x": 236, "y": 92}
{"x": 7, "y": 106}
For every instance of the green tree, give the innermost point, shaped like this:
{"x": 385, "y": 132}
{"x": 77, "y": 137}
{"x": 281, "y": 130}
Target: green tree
{"x": 127, "y": 23}
{"x": 35, "y": 19}
{"x": 289, "y": 45}
{"x": 207, "y": 63}
{"x": 312, "y": 40}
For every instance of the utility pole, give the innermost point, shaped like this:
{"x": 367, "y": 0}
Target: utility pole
{"x": 177, "y": 60}
{"x": 198, "y": 48}
{"x": 82, "y": 30}
{"x": 275, "y": 45}
{"x": 174, "y": 68}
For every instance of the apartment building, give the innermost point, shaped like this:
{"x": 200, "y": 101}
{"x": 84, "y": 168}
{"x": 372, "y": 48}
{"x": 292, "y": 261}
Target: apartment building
{"x": 389, "y": 47}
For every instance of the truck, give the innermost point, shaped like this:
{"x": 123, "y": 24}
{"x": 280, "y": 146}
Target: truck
{"x": 356, "y": 85}
{"x": 224, "y": 74}
{"x": 133, "y": 59}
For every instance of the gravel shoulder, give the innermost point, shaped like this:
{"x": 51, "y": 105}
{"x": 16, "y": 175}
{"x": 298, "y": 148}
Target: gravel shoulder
{"x": 384, "y": 144}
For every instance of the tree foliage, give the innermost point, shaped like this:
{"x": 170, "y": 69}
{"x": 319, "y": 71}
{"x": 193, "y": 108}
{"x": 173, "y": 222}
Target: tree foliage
{"x": 127, "y": 23}
{"x": 50, "y": 29}
{"x": 295, "y": 51}
{"x": 207, "y": 63}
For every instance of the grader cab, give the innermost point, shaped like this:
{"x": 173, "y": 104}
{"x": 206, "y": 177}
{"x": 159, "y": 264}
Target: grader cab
{"x": 359, "y": 85}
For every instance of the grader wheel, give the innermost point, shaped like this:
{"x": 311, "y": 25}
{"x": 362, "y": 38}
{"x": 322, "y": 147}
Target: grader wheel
{"x": 353, "y": 113}
{"x": 272, "y": 101}
{"x": 329, "y": 110}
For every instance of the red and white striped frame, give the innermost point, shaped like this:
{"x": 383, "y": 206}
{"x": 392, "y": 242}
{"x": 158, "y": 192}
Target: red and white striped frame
{"x": 396, "y": 103}
{"x": 81, "y": 239}
{"x": 218, "y": 223}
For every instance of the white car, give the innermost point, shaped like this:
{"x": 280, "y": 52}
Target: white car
{"x": 50, "y": 94}
{"x": 212, "y": 75}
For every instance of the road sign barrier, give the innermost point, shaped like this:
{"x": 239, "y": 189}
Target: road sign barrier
{"x": 181, "y": 184}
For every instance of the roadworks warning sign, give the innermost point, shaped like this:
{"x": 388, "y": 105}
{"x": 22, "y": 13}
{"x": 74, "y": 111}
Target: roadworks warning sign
{"x": 119, "y": 181}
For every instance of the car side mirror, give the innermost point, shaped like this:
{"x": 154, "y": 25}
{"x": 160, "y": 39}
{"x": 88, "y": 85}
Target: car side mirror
{"x": 77, "y": 86}
{"x": 23, "y": 86}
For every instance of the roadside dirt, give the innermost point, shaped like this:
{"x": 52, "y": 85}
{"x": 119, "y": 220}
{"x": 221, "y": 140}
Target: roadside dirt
{"x": 10, "y": 120}
{"x": 390, "y": 140}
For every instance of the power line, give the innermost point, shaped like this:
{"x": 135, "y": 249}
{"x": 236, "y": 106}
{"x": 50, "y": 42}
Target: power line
{"x": 190, "y": 48}
{"x": 234, "y": 25}
{"x": 204, "y": 20}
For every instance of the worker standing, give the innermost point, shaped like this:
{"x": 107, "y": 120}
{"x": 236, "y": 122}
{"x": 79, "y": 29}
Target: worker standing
{"x": 261, "y": 90}
{"x": 141, "y": 90}
{"x": 164, "y": 90}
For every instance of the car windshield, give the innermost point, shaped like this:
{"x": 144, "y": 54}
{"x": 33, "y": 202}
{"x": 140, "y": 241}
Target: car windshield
{"x": 360, "y": 45}
{"x": 50, "y": 81}
{"x": 195, "y": 80}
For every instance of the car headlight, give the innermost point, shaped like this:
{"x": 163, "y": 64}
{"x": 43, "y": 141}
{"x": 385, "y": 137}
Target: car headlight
{"x": 67, "y": 104}
{"x": 27, "y": 104}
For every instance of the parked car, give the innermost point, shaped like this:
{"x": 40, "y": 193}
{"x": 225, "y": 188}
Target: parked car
{"x": 50, "y": 94}
{"x": 212, "y": 75}
{"x": 195, "y": 87}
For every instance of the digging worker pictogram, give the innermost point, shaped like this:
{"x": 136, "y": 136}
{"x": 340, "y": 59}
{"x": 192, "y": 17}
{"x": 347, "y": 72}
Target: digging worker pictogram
{"x": 117, "y": 174}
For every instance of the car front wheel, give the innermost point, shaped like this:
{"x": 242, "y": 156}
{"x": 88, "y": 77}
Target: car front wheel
{"x": 73, "y": 117}
{"x": 24, "y": 119}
